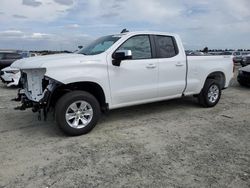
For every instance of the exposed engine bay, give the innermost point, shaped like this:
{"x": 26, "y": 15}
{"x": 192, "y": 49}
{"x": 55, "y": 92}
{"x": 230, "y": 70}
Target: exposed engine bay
{"x": 36, "y": 91}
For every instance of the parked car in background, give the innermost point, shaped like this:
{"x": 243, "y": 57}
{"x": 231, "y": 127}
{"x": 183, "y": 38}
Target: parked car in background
{"x": 26, "y": 54}
{"x": 10, "y": 76}
{"x": 227, "y": 53}
{"x": 33, "y": 54}
{"x": 196, "y": 53}
{"x": 7, "y": 57}
{"x": 237, "y": 57}
{"x": 245, "y": 53}
{"x": 246, "y": 60}
{"x": 244, "y": 76}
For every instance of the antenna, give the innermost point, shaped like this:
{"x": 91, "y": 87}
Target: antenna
{"x": 124, "y": 31}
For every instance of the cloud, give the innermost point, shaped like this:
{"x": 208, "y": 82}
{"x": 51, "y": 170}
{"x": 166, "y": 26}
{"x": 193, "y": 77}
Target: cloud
{"x": 213, "y": 23}
{"x": 130, "y": 10}
{"x": 65, "y": 2}
{"x": 101, "y": 25}
{"x": 33, "y": 10}
{"x": 72, "y": 26}
{"x": 40, "y": 36}
{"x": 32, "y": 3}
{"x": 19, "y": 16}
{"x": 17, "y": 34}
{"x": 109, "y": 15}
{"x": 16, "y": 39}
{"x": 11, "y": 34}
{"x": 239, "y": 9}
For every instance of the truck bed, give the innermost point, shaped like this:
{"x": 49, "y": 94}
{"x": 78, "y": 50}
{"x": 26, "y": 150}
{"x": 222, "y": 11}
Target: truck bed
{"x": 199, "y": 67}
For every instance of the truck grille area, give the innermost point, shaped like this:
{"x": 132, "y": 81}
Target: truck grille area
{"x": 31, "y": 80}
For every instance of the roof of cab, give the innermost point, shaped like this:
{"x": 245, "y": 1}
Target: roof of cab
{"x": 147, "y": 33}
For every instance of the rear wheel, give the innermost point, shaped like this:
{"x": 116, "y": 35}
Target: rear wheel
{"x": 77, "y": 112}
{"x": 210, "y": 94}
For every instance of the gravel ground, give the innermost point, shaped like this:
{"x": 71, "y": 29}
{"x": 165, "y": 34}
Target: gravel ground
{"x": 173, "y": 143}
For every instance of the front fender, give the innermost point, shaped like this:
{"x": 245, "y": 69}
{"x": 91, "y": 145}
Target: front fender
{"x": 96, "y": 74}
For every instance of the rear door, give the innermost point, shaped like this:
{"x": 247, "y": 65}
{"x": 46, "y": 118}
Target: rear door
{"x": 172, "y": 67}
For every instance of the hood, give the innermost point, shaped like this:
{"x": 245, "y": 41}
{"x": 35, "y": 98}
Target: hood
{"x": 51, "y": 61}
{"x": 9, "y": 69}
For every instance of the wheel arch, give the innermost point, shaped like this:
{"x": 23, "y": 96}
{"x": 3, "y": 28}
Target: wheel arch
{"x": 91, "y": 87}
{"x": 219, "y": 77}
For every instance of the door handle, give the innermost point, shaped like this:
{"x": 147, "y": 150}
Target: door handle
{"x": 179, "y": 64}
{"x": 151, "y": 66}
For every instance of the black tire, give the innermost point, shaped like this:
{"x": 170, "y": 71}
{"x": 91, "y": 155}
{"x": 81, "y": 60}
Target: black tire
{"x": 203, "y": 96}
{"x": 63, "y": 106}
{"x": 244, "y": 84}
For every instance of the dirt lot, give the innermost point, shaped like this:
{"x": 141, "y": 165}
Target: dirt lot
{"x": 168, "y": 144}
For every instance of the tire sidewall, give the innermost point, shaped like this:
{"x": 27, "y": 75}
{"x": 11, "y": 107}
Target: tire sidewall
{"x": 208, "y": 85}
{"x": 63, "y": 104}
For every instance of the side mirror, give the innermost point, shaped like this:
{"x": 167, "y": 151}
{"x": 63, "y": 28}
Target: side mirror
{"x": 120, "y": 55}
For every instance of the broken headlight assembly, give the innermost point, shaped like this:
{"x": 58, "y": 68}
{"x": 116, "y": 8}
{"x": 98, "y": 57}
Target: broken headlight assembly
{"x": 36, "y": 90}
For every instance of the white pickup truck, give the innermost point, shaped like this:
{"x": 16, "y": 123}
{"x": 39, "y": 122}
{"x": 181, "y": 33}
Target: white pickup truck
{"x": 117, "y": 71}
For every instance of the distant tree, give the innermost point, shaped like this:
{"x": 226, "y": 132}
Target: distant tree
{"x": 205, "y": 50}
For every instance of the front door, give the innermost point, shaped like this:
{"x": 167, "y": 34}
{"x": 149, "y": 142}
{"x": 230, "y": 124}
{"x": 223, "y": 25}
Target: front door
{"x": 135, "y": 80}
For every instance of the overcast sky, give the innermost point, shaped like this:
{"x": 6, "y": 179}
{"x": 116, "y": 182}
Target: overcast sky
{"x": 65, "y": 24}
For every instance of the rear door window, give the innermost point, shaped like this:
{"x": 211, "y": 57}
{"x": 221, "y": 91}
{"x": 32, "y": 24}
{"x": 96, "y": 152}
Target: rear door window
{"x": 166, "y": 46}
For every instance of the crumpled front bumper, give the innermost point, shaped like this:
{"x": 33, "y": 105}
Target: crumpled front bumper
{"x": 27, "y": 103}
{"x": 36, "y": 90}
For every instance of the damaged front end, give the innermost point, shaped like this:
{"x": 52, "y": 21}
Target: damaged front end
{"x": 36, "y": 91}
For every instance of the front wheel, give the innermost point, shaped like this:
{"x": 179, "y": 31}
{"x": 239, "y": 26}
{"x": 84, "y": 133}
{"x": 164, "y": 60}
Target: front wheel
{"x": 210, "y": 94}
{"x": 77, "y": 112}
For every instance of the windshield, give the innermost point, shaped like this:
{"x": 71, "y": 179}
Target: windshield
{"x": 100, "y": 45}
